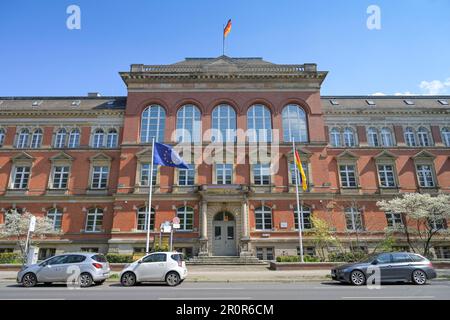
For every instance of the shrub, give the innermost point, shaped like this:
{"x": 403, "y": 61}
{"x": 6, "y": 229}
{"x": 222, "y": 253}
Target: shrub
{"x": 306, "y": 258}
{"x": 347, "y": 256}
{"x": 119, "y": 258}
{"x": 9, "y": 257}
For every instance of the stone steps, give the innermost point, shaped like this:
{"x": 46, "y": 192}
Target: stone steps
{"x": 225, "y": 260}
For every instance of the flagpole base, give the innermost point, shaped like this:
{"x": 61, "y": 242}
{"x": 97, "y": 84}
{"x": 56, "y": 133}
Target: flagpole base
{"x": 203, "y": 252}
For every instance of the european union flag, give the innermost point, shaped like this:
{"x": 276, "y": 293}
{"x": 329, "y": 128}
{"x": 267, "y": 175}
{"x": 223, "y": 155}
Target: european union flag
{"x": 164, "y": 155}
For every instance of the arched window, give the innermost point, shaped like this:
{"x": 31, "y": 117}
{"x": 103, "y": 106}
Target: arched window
{"x": 188, "y": 124}
{"x": 60, "y": 139}
{"x": 99, "y": 137}
{"x": 263, "y": 218}
{"x": 186, "y": 215}
{"x": 445, "y": 136}
{"x": 305, "y": 216}
{"x": 23, "y": 139}
{"x": 112, "y": 138}
{"x": 94, "y": 220}
{"x": 142, "y": 219}
{"x": 74, "y": 138}
{"x": 294, "y": 124}
{"x": 223, "y": 124}
{"x": 55, "y": 215}
{"x": 36, "y": 139}
{"x": 410, "y": 137}
{"x": 2, "y": 136}
{"x": 349, "y": 137}
{"x": 387, "y": 138}
{"x": 335, "y": 137}
{"x": 259, "y": 124}
{"x": 424, "y": 137}
{"x": 372, "y": 136}
{"x": 153, "y": 122}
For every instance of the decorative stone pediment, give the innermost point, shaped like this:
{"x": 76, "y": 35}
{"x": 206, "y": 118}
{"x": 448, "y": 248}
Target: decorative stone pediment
{"x": 304, "y": 154}
{"x": 424, "y": 155}
{"x": 100, "y": 157}
{"x": 144, "y": 154}
{"x": 23, "y": 156}
{"x": 347, "y": 155}
{"x": 385, "y": 155}
{"x": 62, "y": 156}
{"x": 222, "y": 63}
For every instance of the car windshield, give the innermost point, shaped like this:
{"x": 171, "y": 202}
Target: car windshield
{"x": 99, "y": 258}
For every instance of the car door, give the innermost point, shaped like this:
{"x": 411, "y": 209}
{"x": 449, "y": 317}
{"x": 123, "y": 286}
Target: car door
{"x": 51, "y": 269}
{"x": 401, "y": 266}
{"x": 151, "y": 267}
{"x": 73, "y": 263}
{"x": 384, "y": 261}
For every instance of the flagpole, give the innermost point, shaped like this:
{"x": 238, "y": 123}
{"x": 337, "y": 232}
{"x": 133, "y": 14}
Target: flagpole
{"x": 223, "y": 40}
{"x": 149, "y": 205}
{"x": 300, "y": 221}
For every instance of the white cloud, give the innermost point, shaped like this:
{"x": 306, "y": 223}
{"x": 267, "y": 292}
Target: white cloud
{"x": 407, "y": 93}
{"x": 435, "y": 87}
{"x": 378, "y": 94}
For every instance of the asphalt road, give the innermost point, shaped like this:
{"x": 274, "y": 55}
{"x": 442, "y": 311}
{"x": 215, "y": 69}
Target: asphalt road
{"x": 438, "y": 290}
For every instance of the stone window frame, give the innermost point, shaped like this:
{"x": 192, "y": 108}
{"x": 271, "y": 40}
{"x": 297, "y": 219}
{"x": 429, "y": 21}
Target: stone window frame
{"x": 70, "y": 130}
{"x": 341, "y": 129}
{"x": 183, "y": 222}
{"x": 55, "y": 207}
{"x": 441, "y": 130}
{"x": 19, "y": 129}
{"x": 425, "y": 158}
{"x": 152, "y": 213}
{"x": 86, "y": 219}
{"x": 3, "y": 133}
{"x": 32, "y": 135}
{"x": 144, "y": 156}
{"x": 62, "y": 159}
{"x": 102, "y": 160}
{"x": 348, "y": 158}
{"x": 415, "y": 129}
{"x": 161, "y": 124}
{"x": 387, "y": 158}
{"x": 22, "y": 159}
{"x": 309, "y": 209}
{"x": 379, "y": 130}
{"x": 262, "y": 206}
{"x": 224, "y": 161}
{"x": 352, "y": 210}
{"x": 176, "y": 174}
{"x": 106, "y": 129}
{"x": 305, "y": 156}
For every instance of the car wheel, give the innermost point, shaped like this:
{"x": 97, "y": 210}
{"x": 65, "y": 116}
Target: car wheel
{"x": 357, "y": 278}
{"x": 419, "y": 277}
{"x": 29, "y": 280}
{"x": 173, "y": 279}
{"x": 86, "y": 280}
{"x": 128, "y": 279}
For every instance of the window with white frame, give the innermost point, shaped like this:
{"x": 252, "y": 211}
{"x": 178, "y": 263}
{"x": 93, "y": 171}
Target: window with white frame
{"x": 94, "y": 220}
{"x": 142, "y": 219}
{"x": 410, "y": 137}
{"x": 335, "y": 137}
{"x": 2, "y": 137}
{"x": 98, "y": 139}
{"x": 99, "y": 177}
{"x": 445, "y": 136}
{"x": 21, "y": 177}
{"x": 55, "y": 216}
{"x": 259, "y": 124}
{"x": 348, "y": 175}
{"x": 153, "y": 122}
{"x": 425, "y": 175}
{"x": 387, "y": 175}
{"x": 36, "y": 139}
{"x": 305, "y": 216}
{"x": 74, "y": 138}
{"x": 437, "y": 222}
{"x": 295, "y": 127}
{"x": 112, "y": 138}
{"x": 349, "y": 137}
{"x": 387, "y": 138}
{"x": 60, "y": 177}
{"x": 186, "y": 177}
{"x": 372, "y": 136}
{"x": 60, "y": 138}
{"x": 224, "y": 173}
{"x": 223, "y": 124}
{"x": 394, "y": 220}
{"x": 189, "y": 124}
{"x": 145, "y": 174}
{"x": 23, "y": 139}
{"x": 261, "y": 174}
{"x": 263, "y": 218}
{"x": 353, "y": 219}
{"x": 424, "y": 137}
{"x": 186, "y": 216}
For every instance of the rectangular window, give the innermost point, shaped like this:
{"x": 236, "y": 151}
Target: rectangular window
{"x": 261, "y": 174}
{"x": 442, "y": 252}
{"x": 394, "y": 220}
{"x": 91, "y": 250}
{"x": 45, "y": 253}
{"x": 224, "y": 173}
{"x": 265, "y": 253}
{"x": 353, "y": 219}
{"x": 100, "y": 177}
{"x": 309, "y": 251}
{"x": 60, "y": 177}
{"x": 21, "y": 177}
{"x": 425, "y": 176}
{"x": 145, "y": 174}
{"x": 186, "y": 177}
{"x": 386, "y": 174}
{"x": 348, "y": 176}
{"x": 292, "y": 171}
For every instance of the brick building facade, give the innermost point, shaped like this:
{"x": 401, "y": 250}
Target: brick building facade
{"x": 84, "y": 161}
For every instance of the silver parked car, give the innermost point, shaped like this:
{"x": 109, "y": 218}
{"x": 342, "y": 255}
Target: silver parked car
{"x": 166, "y": 267}
{"x": 393, "y": 266}
{"x": 93, "y": 269}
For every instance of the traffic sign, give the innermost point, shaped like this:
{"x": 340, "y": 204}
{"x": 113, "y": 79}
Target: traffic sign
{"x": 176, "y": 220}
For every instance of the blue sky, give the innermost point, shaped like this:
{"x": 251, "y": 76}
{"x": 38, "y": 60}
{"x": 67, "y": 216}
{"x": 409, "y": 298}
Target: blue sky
{"x": 40, "y": 56}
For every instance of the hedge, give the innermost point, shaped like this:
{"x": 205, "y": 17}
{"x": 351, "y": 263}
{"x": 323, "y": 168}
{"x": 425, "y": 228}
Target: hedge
{"x": 306, "y": 258}
{"x": 347, "y": 257}
{"x": 119, "y": 258}
{"x": 9, "y": 258}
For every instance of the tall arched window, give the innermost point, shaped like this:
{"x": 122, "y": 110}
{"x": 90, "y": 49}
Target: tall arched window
{"x": 99, "y": 137}
{"x": 55, "y": 215}
{"x": 294, "y": 124}
{"x": 224, "y": 124}
{"x": 186, "y": 215}
{"x": 372, "y": 136}
{"x": 259, "y": 124}
{"x": 112, "y": 138}
{"x": 2, "y": 136}
{"x": 335, "y": 137}
{"x": 387, "y": 138}
{"x": 424, "y": 137}
{"x": 74, "y": 138}
{"x": 94, "y": 220}
{"x": 36, "y": 139}
{"x": 349, "y": 137}
{"x": 445, "y": 136}
{"x": 410, "y": 137}
{"x": 305, "y": 216}
{"x": 263, "y": 218}
{"x": 142, "y": 219}
{"x": 188, "y": 124}
{"x": 153, "y": 122}
{"x": 23, "y": 139}
{"x": 60, "y": 138}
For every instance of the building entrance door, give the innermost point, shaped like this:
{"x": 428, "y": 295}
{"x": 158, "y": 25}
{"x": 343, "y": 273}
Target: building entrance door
{"x": 224, "y": 232}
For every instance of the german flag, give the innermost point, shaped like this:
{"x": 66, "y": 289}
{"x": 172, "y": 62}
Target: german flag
{"x": 298, "y": 162}
{"x": 227, "y": 29}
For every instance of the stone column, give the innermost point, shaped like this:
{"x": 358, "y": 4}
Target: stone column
{"x": 245, "y": 239}
{"x": 204, "y": 229}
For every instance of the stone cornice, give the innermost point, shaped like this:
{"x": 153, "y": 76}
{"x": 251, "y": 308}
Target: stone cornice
{"x": 60, "y": 113}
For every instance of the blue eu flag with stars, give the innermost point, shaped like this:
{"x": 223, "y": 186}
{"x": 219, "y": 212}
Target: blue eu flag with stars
{"x": 164, "y": 155}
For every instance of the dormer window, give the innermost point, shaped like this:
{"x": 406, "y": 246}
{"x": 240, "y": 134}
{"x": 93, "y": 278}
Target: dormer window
{"x": 409, "y": 102}
{"x": 443, "y": 102}
{"x": 370, "y": 102}
{"x": 334, "y": 102}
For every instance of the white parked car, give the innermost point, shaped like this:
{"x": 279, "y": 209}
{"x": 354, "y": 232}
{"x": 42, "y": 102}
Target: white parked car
{"x": 166, "y": 267}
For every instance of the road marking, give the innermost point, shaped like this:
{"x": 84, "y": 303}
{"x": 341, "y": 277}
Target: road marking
{"x": 208, "y": 298}
{"x": 397, "y": 297}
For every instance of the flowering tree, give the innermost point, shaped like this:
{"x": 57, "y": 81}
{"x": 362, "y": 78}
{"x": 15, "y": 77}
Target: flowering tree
{"x": 16, "y": 227}
{"x": 423, "y": 217}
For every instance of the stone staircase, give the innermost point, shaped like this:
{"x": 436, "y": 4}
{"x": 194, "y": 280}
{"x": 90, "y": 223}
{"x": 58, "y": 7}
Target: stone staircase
{"x": 224, "y": 260}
